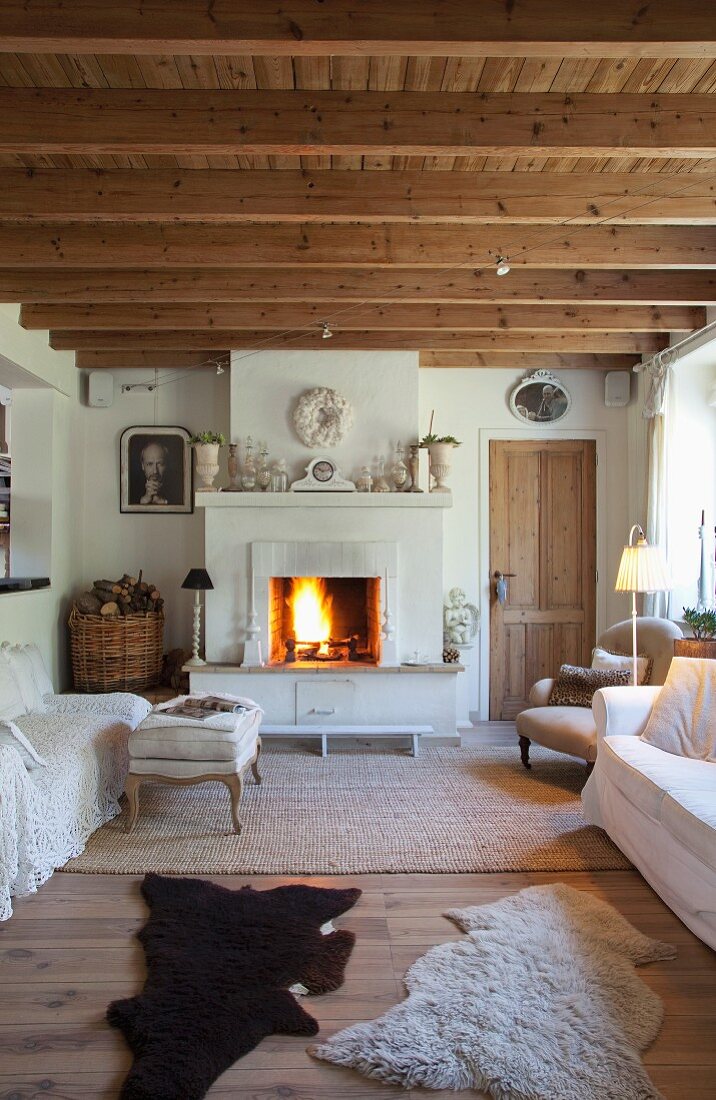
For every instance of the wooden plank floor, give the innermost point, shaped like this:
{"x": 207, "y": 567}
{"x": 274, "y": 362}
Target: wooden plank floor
{"x": 70, "y": 949}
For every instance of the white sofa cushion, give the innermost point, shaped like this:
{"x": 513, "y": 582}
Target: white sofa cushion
{"x": 11, "y": 702}
{"x": 155, "y": 738}
{"x": 683, "y": 720}
{"x": 12, "y": 735}
{"x": 42, "y": 678}
{"x": 646, "y": 775}
{"x": 22, "y": 668}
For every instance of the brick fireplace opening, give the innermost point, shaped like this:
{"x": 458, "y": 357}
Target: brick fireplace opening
{"x": 319, "y": 620}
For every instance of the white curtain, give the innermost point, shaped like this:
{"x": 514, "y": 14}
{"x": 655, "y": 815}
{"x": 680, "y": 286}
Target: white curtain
{"x": 658, "y": 411}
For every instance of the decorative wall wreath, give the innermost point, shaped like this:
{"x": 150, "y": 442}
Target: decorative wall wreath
{"x": 322, "y": 417}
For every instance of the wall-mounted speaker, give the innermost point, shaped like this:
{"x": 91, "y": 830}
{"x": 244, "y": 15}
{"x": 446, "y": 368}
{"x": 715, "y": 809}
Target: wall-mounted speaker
{"x": 617, "y": 388}
{"x": 100, "y": 389}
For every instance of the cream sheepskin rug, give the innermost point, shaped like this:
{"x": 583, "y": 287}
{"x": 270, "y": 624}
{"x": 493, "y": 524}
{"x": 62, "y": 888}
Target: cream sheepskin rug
{"x": 540, "y": 1002}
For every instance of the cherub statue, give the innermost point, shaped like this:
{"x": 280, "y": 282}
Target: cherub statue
{"x": 460, "y": 619}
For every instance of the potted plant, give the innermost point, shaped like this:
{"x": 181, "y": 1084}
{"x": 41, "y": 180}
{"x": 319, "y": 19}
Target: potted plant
{"x": 206, "y": 446}
{"x": 440, "y": 448}
{"x": 703, "y": 626}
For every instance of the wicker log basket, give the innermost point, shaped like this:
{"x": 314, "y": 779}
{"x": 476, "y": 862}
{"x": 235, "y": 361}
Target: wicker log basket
{"x": 117, "y": 636}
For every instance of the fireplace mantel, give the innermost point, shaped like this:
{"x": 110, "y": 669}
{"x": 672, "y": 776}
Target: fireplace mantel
{"x": 323, "y": 500}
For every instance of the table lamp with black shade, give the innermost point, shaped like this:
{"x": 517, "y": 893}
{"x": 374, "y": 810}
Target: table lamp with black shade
{"x": 642, "y": 568}
{"x": 198, "y": 580}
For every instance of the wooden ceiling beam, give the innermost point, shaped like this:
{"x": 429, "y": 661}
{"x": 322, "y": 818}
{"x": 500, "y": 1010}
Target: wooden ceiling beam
{"x": 348, "y": 285}
{"x": 517, "y": 360}
{"x": 213, "y": 122}
{"x": 156, "y": 360}
{"x": 480, "y": 28}
{"x": 152, "y": 340}
{"x": 379, "y": 318}
{"x": 85, "y": 194}
{"x": 428, "y": 246}
{"x": 525, "y": 361}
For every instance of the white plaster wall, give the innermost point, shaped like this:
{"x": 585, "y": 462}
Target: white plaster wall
{"x": 381, "y": 385}
{"x": 466, "y": 401}
{"x": 165, "y": 547}
{"x": 48, "y": 431}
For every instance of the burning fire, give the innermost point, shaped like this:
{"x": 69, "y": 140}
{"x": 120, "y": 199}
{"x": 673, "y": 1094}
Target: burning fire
{"x": 311, "y": 609}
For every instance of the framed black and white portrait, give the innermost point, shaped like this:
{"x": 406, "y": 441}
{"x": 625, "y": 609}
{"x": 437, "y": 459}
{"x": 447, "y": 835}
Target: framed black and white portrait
{"x": 540, "y": 399}
{"x": 155, "y": 471}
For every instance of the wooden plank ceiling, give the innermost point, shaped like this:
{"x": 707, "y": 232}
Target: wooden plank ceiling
{"x": 178, "y": 179}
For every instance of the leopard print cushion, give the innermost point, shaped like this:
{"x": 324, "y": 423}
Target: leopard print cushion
{"x": 574, "y": 687}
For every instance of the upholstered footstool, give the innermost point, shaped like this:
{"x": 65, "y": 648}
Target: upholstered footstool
{"x": 182, "y": 751}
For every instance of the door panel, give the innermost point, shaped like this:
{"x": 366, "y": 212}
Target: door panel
{"x": 543, "y": 529}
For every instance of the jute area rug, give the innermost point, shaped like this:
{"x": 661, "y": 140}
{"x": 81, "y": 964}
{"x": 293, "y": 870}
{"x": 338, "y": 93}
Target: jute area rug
{"x": 362, "y": 810}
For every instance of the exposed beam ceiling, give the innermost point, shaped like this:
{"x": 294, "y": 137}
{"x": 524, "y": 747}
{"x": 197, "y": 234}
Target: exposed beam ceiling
{"x": 220, "y": 339}
{"x": 429, "y": 246}
{"x": 349, "y": 285}
{"x": 307, "y": 196}
{"x": 521, "y": 361}
{"x": 320, "y": 122}
{"x": 613, "y": 28}
{"x": 416, "y": 318}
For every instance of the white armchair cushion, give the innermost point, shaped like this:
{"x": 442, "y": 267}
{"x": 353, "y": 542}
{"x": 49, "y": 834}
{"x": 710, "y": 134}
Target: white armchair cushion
{"x": 11, "y": 701}
{"x": 683, "y": 721}
{"x": 605, "y": 659}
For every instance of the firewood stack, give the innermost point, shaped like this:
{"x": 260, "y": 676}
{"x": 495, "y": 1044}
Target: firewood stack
{"x": 127, "y": 596}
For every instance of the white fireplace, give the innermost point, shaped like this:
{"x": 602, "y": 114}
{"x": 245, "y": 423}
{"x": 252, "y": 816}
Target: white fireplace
{"x": 393, "y": 543}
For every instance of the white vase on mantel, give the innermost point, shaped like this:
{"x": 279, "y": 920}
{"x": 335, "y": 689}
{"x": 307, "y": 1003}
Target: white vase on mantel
{"x": 440, "y": 465}
{"x": 207, "y": 466}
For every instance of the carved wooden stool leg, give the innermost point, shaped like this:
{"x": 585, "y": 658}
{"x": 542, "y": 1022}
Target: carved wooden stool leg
{"x": 525, "y": 751}
{"x": 255, "y": 762}
{"x": 131, "y": 789}
{"x": 235, "y": 783}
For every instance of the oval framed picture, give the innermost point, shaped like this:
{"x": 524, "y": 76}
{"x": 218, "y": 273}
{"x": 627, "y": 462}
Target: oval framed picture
{"x": 540, "y": 398}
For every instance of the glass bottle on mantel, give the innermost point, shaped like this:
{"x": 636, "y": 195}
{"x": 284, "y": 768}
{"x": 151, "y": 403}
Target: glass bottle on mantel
{"x": 381, "y": 485}
{"x": 399, "y": 471}
{"x": 279, "y": 477}
{"x": 263, "y": 475}
{"x": 248, "y": 470}
{"x": 234, "y": 485}
{"x": 364, "y": 484}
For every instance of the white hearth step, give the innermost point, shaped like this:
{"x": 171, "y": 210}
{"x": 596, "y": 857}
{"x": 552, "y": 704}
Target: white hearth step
{"x": 324, "y": 732}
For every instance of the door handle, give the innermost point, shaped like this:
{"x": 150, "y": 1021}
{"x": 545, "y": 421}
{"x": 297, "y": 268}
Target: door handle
{"x": 501, "y": 585}
{"x": 324, "y": 710}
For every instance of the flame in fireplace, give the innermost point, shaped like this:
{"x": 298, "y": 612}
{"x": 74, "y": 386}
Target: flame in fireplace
{"x": 311, "y": 608}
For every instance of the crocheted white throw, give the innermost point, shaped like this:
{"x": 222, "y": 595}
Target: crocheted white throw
{"x": 540, "y": 1002}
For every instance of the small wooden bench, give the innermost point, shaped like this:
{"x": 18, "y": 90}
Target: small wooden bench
{"x": 324, "y": 732}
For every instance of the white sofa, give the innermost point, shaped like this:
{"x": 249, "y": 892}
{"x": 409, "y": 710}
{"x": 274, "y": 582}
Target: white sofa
{"x": 51, "y": 804}
{"x": 660, "y": 809}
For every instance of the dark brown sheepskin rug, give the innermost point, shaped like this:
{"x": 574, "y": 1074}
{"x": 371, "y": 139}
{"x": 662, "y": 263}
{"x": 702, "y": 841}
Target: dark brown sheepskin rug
{"x": 220, "y": 963}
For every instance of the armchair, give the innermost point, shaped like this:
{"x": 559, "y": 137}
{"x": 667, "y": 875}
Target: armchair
{"x": 572, "y": 729}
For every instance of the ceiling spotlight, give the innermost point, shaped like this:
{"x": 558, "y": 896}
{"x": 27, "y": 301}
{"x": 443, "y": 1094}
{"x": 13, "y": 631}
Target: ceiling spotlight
{"x": 326, "y": 334}
{"x": 219, "y": 368}
{"x": 503, "y": 267}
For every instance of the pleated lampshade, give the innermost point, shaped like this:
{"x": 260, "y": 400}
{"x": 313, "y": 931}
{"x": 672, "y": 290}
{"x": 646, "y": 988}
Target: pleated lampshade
{"x": 642, "y": 569}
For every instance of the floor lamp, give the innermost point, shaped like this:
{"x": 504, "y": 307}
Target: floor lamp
{"x": 642, "y": 569}
{"x": 199, "y": 581}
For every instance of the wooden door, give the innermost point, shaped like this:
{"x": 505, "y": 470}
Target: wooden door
{"x": 542, "y": 530}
